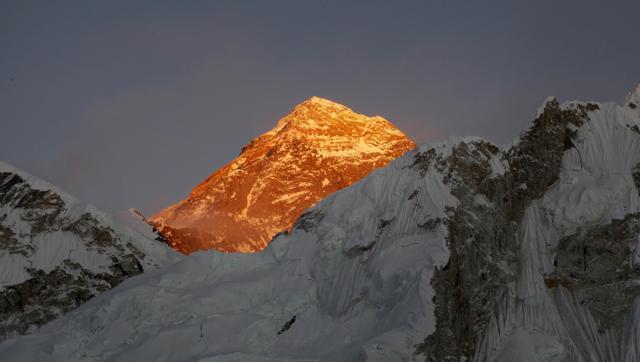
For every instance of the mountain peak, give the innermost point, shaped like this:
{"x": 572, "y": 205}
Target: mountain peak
{"x": 319, "y": 105}
{"x": 321, "y": 102}
{"x": 318, "y": 148}
{"x": 321, "y": 115}
{"x": 633, "y": 98}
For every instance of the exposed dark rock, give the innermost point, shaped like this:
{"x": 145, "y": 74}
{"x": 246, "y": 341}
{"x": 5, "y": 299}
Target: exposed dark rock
{"x": 535, "y": 162}
{"x": 10, "y": 243}
{"x": 17, "y": 193}
{"x": 481, "y": 238}
{"x": 430, "y": 224}
{"x": 478, "y": 244}
{"x": 589, "y": 107}
{"x": 635, "y": 173}
{"x": 596, "y": 264}
{"x": 47, "y": 295}
{"x": 287, "y": 325}
{"x": 309, "y": 220}
{"x": 38, "y": 199}
{"x": 424, "y": 159}
{"x": 413, "y": 195}
{"x": 359, "y": 249}
{"x": 39, "y": 208}
{"x": 90, "y": 230}
{"x": 127, "y": 266}
{"x": 179, "y": 237}
{"x": 282, "y": 233}
{"x": 7, "y": 183}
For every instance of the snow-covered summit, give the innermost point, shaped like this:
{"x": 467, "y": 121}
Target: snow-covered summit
{"x": 633, "y": 99}
{"x": 317, "y": 149}
{"x": 321, "y": 102}
{"x": 320, "y": 113}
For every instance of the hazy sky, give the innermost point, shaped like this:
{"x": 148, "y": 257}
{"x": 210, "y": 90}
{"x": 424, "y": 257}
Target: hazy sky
{"x": 132, "y": 103}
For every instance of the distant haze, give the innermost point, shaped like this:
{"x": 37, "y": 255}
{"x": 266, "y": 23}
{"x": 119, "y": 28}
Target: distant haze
{"x": 131, "y": 104}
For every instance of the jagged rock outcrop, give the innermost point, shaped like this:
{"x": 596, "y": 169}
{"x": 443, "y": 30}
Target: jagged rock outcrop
{"x": 459, "y": 251}
{"x": 317, "y": 149}
{"x": 482, "y": 234}
{"x": 598, "y": 266}
{"x": 56, "y": 254}
{"x": 543, "y": 314}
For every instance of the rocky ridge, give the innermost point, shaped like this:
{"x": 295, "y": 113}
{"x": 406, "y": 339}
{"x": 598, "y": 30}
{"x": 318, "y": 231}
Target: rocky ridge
{"x": 56, "y": 254}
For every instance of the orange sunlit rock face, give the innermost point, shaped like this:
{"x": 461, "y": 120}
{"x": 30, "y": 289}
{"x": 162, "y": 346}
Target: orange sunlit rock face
{"x": 317, "y": 149}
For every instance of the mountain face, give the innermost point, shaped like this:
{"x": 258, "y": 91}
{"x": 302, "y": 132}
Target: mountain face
{"x": 319, "y": 148}
{"x": 459, "y": 250}
{"x": 56, "y": 253}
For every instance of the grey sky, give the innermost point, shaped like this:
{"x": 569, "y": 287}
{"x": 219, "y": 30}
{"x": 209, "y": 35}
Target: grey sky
{"x": 128, "y": 103}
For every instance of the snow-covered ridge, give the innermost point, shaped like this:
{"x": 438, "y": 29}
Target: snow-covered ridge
{"x": 633, "y": 99}
{"x": 56, "y": 252}
{"x": 156, "y": 254}
{"x": 562, "y": 303}
{"x": 36, "y": 183}
{"x": 322, "y": 108}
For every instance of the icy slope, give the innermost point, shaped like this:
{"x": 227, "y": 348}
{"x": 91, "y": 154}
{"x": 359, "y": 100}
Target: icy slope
{"x": 457, "y": 251}
{"x": 577, "y": 296}
{"x": 56, "y": 253}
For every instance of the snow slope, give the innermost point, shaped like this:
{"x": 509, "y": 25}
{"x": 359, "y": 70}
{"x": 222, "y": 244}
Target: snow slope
{"x": 595, "y": 188}
{"x": 459, "y": 250}
{"x": 56, "y": 252}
